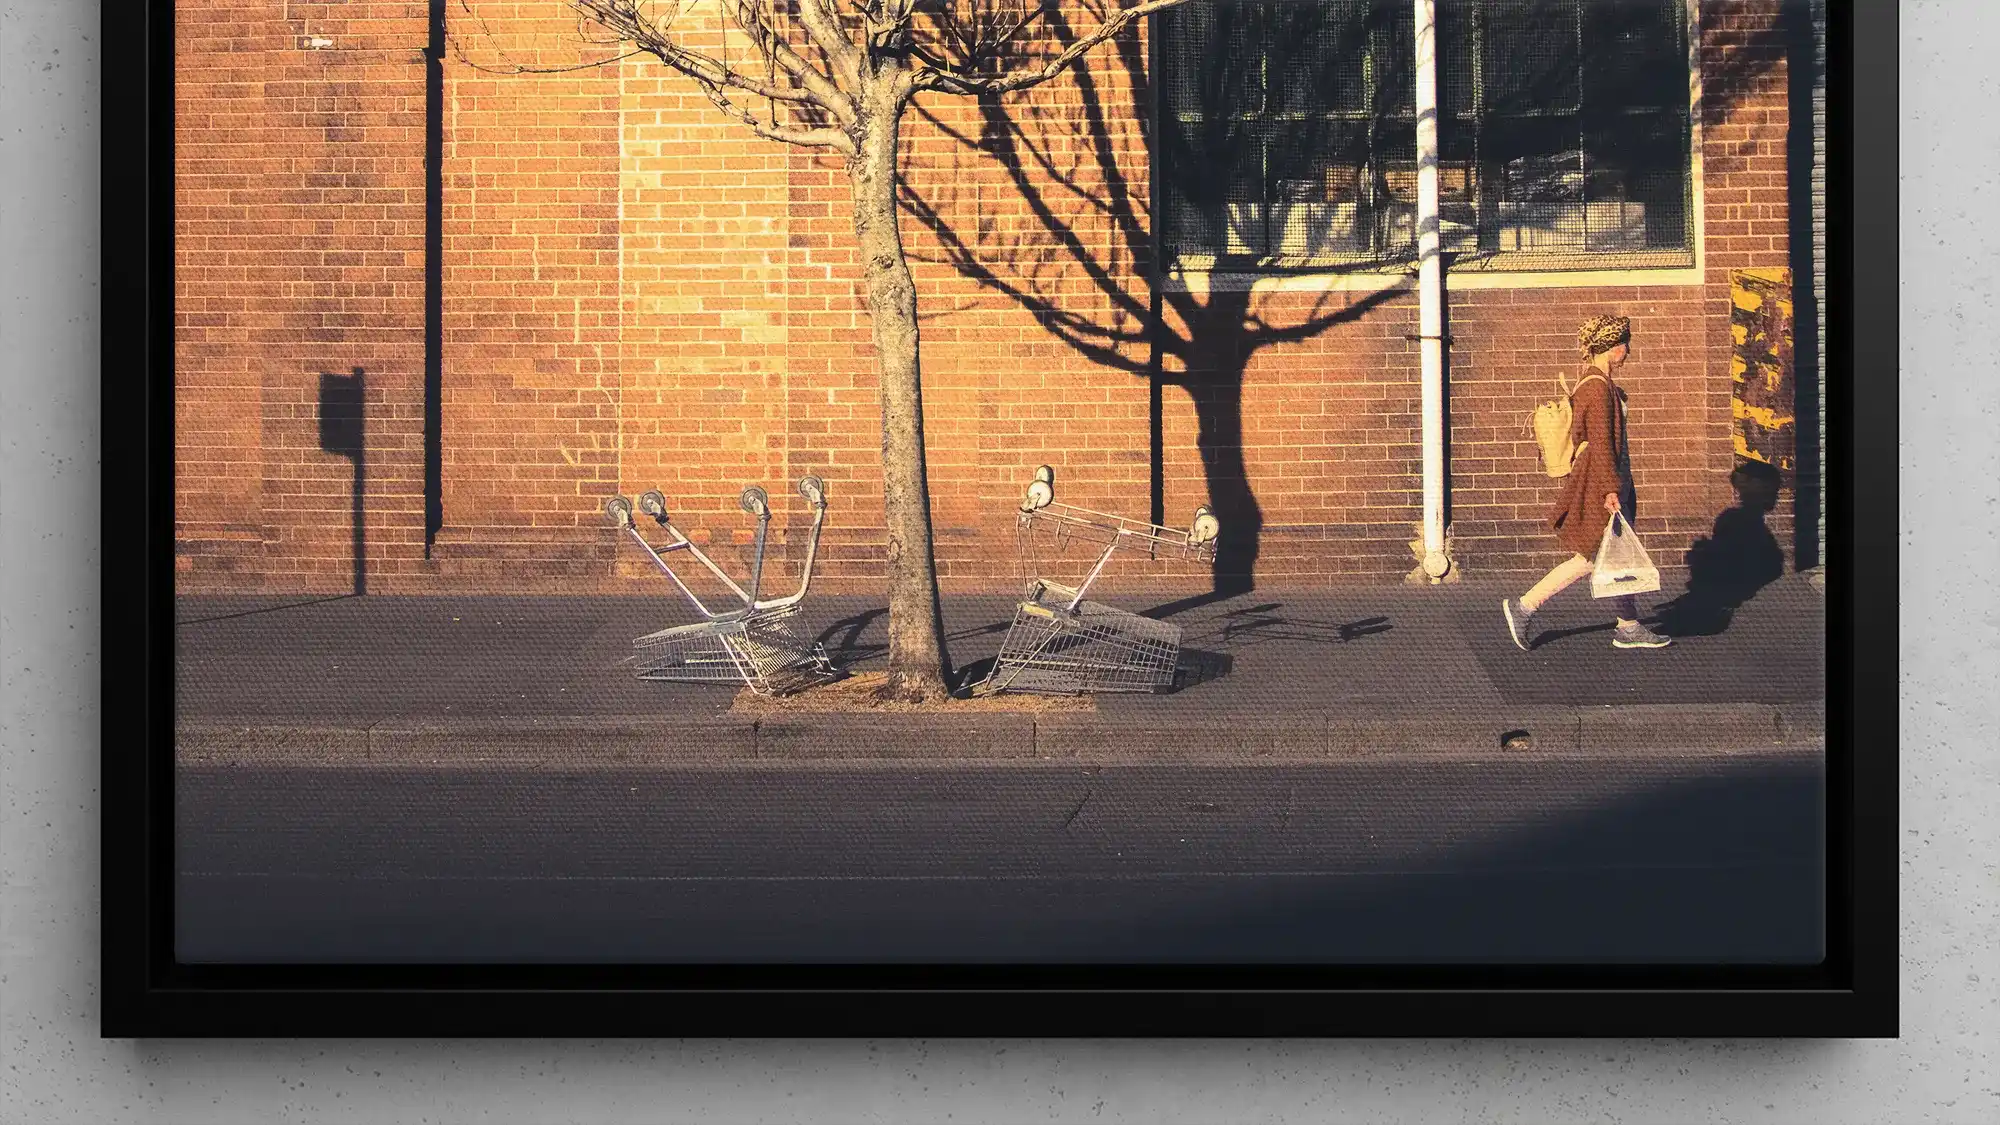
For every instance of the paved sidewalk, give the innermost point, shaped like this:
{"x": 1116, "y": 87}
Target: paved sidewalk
{"x": 1287, "y": 672}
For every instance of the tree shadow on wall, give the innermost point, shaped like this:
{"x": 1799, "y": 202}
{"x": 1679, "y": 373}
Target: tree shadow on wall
{"x": 1087, "y": 262}
{"x": 1084, "y": 267}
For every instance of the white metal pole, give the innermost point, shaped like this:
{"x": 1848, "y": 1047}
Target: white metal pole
{"x": 1430, "y": 289}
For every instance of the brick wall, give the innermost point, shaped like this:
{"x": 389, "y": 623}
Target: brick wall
{"x": 299, "y": 233}
{"x": 1745, "y": 129}
{"x": 639, "y": 293}
{"x": 532, "y": 310}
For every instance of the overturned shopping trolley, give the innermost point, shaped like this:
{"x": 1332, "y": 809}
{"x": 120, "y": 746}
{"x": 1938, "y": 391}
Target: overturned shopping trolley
{"x": 1061, "y": 644}
{"x": 757, "y": 642}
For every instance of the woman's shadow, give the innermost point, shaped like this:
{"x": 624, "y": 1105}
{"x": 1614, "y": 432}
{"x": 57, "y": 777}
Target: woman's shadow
{"x": 1728, "y": 567}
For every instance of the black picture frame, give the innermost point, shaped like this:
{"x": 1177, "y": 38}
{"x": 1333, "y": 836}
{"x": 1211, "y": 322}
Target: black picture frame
{"x": 1853, "y": 993}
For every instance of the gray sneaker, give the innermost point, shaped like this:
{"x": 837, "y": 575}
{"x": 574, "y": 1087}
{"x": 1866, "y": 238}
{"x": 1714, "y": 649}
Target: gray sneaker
{"x": 1517, "y": 622}
{"x": 1636, "y": 635}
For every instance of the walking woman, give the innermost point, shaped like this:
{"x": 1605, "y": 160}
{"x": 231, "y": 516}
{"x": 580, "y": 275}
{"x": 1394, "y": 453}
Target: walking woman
{"x": 1599, "y": 484}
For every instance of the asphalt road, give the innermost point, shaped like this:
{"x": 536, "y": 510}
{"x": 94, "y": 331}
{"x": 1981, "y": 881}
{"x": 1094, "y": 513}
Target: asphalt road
{"x": 1606, "y": 857}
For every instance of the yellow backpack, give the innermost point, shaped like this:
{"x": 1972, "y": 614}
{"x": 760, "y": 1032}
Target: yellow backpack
{"x": 1551, "y": 427}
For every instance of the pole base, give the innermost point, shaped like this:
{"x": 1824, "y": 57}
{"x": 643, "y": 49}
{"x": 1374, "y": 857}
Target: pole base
{"x": 1433, "y": 567}
{"x": 1421, "y": 576}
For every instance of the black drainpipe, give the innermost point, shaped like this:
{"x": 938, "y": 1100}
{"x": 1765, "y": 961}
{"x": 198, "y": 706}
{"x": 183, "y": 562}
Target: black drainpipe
{"x": 434, "y": 278}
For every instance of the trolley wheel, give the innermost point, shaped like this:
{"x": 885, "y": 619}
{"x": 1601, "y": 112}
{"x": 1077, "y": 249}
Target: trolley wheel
{"x": 1038, "y": 497}
{"x": 1045, "y": 474}
{"x": 755, "y": 501}
{"x": 654, "y": 503}
{"x": 619, "y": 511}
{"x": 814, "y": 490}
{"x": 1205, "y": 526}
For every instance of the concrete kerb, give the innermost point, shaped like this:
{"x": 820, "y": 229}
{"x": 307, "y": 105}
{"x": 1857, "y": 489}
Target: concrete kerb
{"x": 1803, "y": 722}
{"x": 581, "y": 742}
{"x": 984, "y": 737}
{"x": 1657, "y": 726}
{"x": 1346, "y": 733}
{"x": 252, "y": 741}
{"x": 461, "y": 742}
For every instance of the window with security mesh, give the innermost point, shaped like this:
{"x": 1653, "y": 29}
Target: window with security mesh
{"x": 1288, "y": 132}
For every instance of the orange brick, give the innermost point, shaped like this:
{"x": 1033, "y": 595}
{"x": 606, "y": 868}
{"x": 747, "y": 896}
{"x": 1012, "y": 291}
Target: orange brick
{"x": 638, "y": 293}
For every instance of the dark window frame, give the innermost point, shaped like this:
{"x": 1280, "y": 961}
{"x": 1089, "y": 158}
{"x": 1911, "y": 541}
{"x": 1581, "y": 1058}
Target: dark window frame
{"x": 1596, "y": 216}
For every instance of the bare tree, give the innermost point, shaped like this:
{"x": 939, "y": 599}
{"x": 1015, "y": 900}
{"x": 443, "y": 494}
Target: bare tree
{"x": 833, "y": 75}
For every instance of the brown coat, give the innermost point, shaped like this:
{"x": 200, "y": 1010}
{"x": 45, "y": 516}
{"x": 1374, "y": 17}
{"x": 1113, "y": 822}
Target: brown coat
{"x": 1597, "y": 416}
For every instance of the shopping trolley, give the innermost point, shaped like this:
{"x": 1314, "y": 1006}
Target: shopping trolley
{"x": 757, "y": 642}
{"x": 1062, "y": 644}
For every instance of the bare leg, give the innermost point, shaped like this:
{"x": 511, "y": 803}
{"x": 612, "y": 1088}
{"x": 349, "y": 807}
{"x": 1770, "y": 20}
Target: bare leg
{"x": 1628, "y": 610}
{"x": 1555, "y": 582}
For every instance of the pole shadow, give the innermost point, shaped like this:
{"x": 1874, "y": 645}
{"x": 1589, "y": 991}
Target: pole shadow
{"x": 343, "y": 432}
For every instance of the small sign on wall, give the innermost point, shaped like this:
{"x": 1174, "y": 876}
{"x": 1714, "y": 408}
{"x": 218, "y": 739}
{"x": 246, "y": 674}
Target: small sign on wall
{"x": 1760, "y": 369}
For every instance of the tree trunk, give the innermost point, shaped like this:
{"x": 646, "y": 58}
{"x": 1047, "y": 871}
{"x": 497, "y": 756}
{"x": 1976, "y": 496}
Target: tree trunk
{"x": 916, "y": 624}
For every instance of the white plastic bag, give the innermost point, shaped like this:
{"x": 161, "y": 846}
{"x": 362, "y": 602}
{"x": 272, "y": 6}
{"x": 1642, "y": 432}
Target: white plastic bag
{"x": 1622, "y": 565}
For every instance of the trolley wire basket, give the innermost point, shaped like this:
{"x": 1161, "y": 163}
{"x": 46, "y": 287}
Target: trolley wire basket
{"x": 756, "y": 642}
{"x": 765, "y": 651}
{"x": 1060, "y": 643}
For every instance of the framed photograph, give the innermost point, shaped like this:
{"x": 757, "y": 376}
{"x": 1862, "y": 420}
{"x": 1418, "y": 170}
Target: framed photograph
{"x": 1016, "y": 517}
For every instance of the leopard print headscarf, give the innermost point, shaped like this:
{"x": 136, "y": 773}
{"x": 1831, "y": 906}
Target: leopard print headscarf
{"x": 1600, "y": 334}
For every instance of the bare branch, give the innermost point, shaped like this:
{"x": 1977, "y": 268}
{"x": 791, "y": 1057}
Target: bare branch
{"x": 458, "y": 52}
{"x": 822, "y": 25}
{"x": 930, "y": 78}
{"x": 623, "y": 18}
{"x": 823, "y": 137}
{"x": 887, "y": 23}
{"x": 749, "y": 15}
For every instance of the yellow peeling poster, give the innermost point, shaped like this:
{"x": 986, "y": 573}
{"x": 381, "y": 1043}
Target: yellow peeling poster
{"x": 1760, "y": 369}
